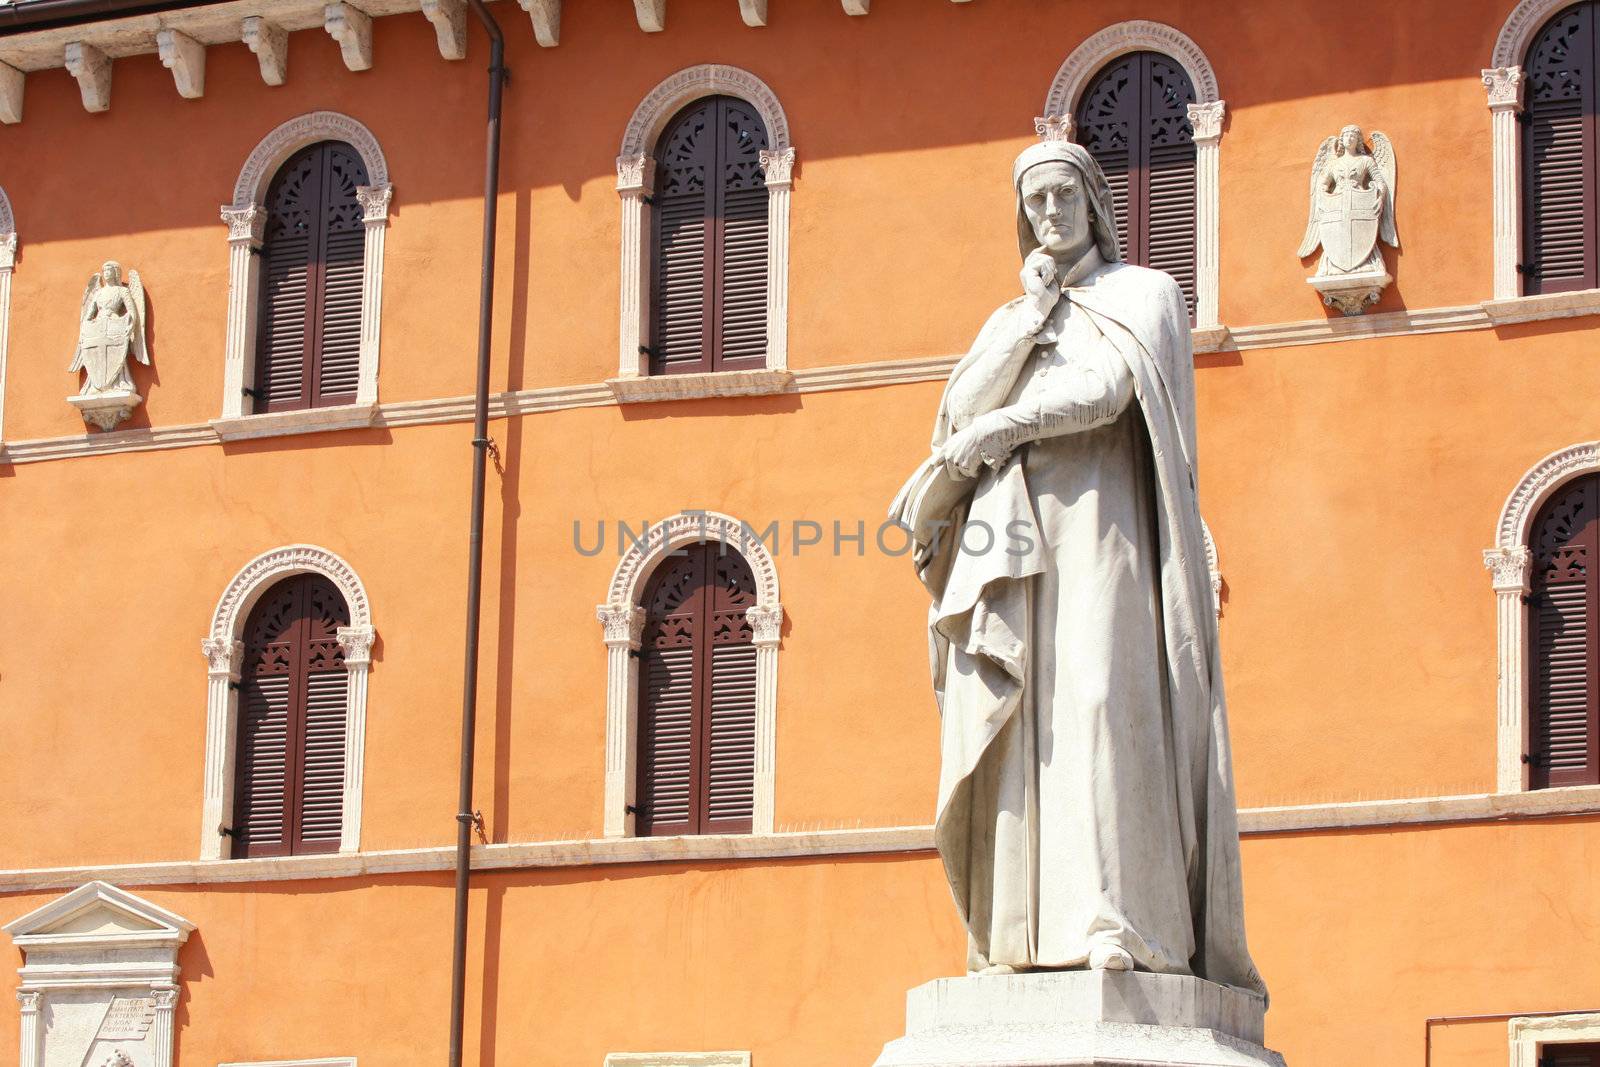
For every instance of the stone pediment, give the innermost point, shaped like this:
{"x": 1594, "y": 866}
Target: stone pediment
{"x": 98, "y": 912}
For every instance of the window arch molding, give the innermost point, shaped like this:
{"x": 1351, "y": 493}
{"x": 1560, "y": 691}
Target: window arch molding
{"x": 246, "y": 218}
{"x": 223, "y": 648}
{"x": 636, "y": 181}
{"x": 1510, "y": 564}
{"x": 622, "y": 618}
{"x": 1503, "y": 79}
{"x": 8, "y": 259}
{"x": 1205, "y": 115}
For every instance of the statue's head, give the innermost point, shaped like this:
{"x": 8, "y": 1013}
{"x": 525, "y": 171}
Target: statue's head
{"x": 1351, "y": 141}
{"x": 1061, "y": 192}
{"x": 110, "y": 273}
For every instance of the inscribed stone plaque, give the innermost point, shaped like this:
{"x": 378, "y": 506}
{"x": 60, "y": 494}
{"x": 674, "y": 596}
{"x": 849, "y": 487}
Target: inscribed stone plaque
{"x": 127, "y": 1019}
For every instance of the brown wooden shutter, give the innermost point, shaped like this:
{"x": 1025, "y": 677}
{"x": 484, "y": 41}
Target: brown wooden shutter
{"x": 697, "y": 696}
{"x": 1559, "y": 145}
{"x": 308, "y": 350}
{"x": 289, "y": 766}
{"x": 1134, "y": 120}
{"x": 710, "y": 247}
{"x": 1587, "y": 1055}
{"x": 1564, "y": 642}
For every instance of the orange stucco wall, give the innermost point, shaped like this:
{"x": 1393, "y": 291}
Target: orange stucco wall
{"x": 1350, "y": 487}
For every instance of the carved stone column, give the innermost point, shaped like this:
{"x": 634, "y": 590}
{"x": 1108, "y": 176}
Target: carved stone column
{"x": 624, "y": 627}
{"x": 1505, "y": 86}
{"x": 161, "y": 1030}
{"x": 32, "y": 1046}
{"x": 225, "y": 657}
{"x": 246, "y": 228}
{"x": 778, "y": 167}
{"x": 766, "y": 622}
{"x": 636, "y": 177}
{"x": 1511, "y": 568}
{"x": 8, "y": 259}
{"x": 1207, "y": 122}
{"x": 375, "y": 201}
{"x": 357, "y": 644}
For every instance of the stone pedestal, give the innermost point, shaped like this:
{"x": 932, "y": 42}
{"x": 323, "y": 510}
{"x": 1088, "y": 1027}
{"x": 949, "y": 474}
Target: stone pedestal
{"x": 1080, "y": 1019}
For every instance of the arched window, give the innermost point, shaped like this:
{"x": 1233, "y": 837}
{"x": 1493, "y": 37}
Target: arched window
{"x": 294, "y": 689}
{"x": 703, "y": 174}
{"x": 1559, "y": 146}
{"x": 697, "y": 695}
{"x": 1134, "y": 119}
{"x": 309, "y": 319}
{"x": 710, "y": 272}
{"x": 1564, "y": 638}
{"x": 306, "y": 231}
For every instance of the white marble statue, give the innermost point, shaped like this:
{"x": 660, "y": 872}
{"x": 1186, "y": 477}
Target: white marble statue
{"x": 1086, "y": 810}
{"x": 1352, "y": 208}
{"x": 110, "y": 329}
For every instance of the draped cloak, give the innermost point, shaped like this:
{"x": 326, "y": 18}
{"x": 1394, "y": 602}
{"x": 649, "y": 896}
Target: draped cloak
{"x": 981, "y": 605}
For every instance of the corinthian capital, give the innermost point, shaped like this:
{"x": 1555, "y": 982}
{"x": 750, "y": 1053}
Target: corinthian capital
{"x": 778, "y": 167}
{"x": 1510, "y": 568}
{"x": 357, "y": 644}
{"x": 374, "y": 201}
{"x": 765, "y": 622}
{"x": 1505, "y": 88}
{"x": 245, "y": 224}
{"x": 1053, "y": 127}
{"x": 624, "y": 624}
{"x": 224, "y": 656}
{"x": 1207, "y": 120}
{"x": 635, "y": 174}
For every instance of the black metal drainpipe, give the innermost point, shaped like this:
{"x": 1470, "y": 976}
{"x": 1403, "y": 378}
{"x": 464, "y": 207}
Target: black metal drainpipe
{"x": 480, "y": 448}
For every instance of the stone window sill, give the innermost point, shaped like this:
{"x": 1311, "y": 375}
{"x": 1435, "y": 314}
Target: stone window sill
{"x": 648, "y": 388}
{"x": 1536, "y": 308}
{"x": 284, "y": 423}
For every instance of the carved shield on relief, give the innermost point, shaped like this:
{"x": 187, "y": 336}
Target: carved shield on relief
{"x": 1349, "y": 225}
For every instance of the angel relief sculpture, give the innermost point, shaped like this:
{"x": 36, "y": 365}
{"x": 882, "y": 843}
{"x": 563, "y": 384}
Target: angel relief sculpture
{"x": 1352, "y": 208}
{"x": 111, "y": 329}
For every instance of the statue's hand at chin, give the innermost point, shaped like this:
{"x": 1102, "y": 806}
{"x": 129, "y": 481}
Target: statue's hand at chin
{"x": 1039, "y": 285}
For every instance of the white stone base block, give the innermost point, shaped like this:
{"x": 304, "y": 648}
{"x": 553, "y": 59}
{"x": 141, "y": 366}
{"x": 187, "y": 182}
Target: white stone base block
{"x": 1080, "y": 1019}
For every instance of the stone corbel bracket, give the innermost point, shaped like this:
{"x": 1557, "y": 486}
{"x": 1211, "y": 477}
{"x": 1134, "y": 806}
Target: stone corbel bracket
{"x": 652, "y": 15}
{"x": 352, "y": 28}
{"x": 186, "y": 58}
{"x": 546, "y": 16}
{"x": 1352, "y": 293}
{"x": 270, "y": 43}
{"x": 12, "y": 83}
{"x": 92, "y": 68}
{"x": 449, "y": 18}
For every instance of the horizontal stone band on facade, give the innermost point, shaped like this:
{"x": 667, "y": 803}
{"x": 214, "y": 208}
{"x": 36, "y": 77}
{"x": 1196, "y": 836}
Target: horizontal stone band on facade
{"x": 751, "y": 848}
{"x": 1486, "y": 315}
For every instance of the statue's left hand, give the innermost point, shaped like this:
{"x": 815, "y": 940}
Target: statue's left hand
{"x": 972, "y": 446}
